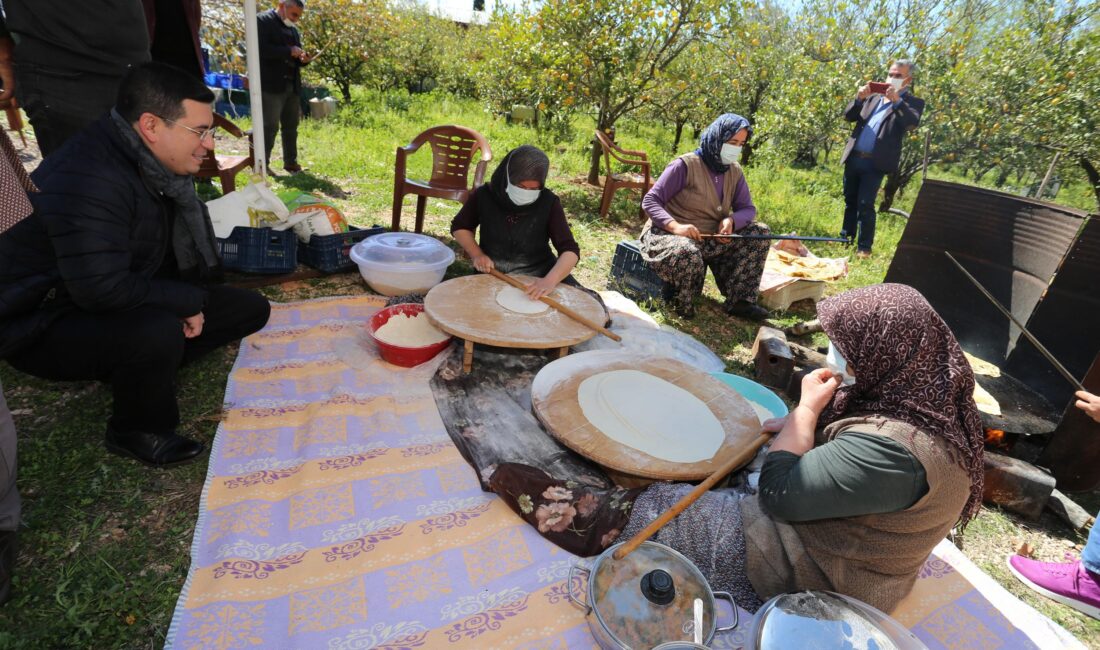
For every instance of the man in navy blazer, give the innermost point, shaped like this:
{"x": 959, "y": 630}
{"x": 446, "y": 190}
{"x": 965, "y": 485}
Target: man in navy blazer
{"x": 874, "y": 149}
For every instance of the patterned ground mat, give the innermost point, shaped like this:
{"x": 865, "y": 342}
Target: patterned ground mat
{"x": 338, "y": 514}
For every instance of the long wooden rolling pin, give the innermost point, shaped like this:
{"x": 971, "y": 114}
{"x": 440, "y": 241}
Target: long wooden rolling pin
{"x": 557, "y": 305}
{"x": 733, "y": 463}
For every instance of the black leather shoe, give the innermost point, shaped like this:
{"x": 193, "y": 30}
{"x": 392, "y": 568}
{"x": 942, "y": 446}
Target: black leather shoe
{"x": 746, "y": 309}
{"x": 7, "y": 563}
{"x": 154, "y": 449}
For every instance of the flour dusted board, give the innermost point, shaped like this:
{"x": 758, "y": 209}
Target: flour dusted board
{"x": 554, "y": 398}
{"x": 467, "y": 307}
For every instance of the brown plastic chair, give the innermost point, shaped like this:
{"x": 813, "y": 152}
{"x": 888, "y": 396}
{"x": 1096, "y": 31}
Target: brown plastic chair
{"x": 226, "y": 166}
{"x": 453, "y": 149}
{"x": 614, "y": 182}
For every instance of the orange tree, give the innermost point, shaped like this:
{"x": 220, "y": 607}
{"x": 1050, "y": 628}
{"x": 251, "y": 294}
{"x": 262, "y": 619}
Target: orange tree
{"x": 605, "y": 57}
{"x": 1049, "y": 100}
{"x": 355, "y": 36}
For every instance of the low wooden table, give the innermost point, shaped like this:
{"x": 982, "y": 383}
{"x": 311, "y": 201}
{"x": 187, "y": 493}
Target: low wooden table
{"x": 554, "y": 401}
{"x": 467, "y": 307}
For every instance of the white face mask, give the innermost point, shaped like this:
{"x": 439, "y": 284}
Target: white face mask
{"x": 839, "y": 365}
{"x": 896, "y": 83}
{"x": 730, "y": 154}
{"x": 519, "y": 195}
{"x": 289, "y": 23}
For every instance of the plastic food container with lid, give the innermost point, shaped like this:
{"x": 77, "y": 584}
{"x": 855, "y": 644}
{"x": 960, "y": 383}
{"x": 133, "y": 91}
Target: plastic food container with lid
{"x": 398, "y": 263}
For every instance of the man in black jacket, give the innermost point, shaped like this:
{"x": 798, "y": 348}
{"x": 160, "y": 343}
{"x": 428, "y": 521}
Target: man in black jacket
{"x": 109, "y": 278}
{"x": 874, "y": 149}
{"x": 281, "y": 60}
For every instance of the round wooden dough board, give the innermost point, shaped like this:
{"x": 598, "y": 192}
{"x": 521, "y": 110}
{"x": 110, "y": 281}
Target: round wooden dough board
{"x": 554, "y": 400}
{"x": 467, "y": 308}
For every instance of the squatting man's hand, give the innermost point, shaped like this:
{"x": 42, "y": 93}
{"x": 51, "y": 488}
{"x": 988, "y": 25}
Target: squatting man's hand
{"x": 192, "y": 325}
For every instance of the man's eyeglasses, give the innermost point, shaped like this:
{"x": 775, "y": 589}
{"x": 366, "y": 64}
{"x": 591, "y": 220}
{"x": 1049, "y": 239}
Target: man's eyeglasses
{"x": 204, "y": 134}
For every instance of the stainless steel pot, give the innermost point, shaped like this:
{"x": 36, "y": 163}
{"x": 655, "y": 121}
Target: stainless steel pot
{"x": 823, "y": 619}
{"x": 646, "y": 599}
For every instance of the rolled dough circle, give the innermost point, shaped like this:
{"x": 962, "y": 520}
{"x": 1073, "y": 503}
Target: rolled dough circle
{"x": 515, "y": 300}
{"x": 651, "y": 415}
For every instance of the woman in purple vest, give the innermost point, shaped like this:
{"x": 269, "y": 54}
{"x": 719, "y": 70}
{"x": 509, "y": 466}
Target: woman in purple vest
{"x": 705, "y": 193}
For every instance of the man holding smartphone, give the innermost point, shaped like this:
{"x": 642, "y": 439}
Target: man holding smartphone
{"x": 883, "y": 113}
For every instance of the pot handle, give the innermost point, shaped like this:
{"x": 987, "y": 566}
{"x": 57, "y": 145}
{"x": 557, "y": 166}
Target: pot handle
{"x": 725, "y": 595}
{"x": 573, "y": 568}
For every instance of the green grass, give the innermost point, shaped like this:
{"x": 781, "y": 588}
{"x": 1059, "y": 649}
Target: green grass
{"x": 105, "y": 546}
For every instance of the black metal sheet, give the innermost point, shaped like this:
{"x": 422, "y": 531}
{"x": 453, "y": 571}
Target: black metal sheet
{"x": 1073, "y": 454}
{"x": 1066, "y": 322}
{"x": 1012, "y": 245}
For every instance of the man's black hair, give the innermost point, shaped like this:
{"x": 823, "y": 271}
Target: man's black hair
{"x": 160, "y": 89}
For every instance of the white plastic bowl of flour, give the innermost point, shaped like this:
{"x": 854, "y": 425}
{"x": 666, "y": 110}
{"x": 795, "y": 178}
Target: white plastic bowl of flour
{"x": 397, "y": 263}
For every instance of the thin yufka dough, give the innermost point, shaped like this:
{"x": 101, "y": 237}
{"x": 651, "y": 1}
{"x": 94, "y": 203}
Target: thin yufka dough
{"x": 651, "y": 415}
{"x": 515, "y": 300}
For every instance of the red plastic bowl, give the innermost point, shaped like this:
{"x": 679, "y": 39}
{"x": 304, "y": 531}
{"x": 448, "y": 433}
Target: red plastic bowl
{"x": 399, "y": 355}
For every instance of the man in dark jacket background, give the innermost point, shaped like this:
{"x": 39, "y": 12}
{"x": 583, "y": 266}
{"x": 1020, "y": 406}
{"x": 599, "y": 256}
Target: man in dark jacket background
{"x": 69, "y": 58}
{"x": 110, "y": 277}
{"x": 281, "y": 61}
{"x": 874, "y": 149}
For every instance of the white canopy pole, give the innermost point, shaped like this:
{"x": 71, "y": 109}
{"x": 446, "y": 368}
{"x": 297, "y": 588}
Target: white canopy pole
{"x": 252, "y": 54}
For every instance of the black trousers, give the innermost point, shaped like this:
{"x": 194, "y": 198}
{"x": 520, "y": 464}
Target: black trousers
{"x": 138, "y": 352}
{"x": 60, "y": 103}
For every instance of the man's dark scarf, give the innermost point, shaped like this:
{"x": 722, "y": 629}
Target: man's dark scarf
{"x": 193, "y": 240}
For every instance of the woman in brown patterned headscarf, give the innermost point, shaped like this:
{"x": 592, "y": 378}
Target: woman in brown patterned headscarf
{"x": 910, "y": 368}
{"x": 865, "y": 477}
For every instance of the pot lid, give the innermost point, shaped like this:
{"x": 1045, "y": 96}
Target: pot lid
{"x": 828, "y": 620}
{"x": 648, "y": 597}
{"x": 403, "y": 249}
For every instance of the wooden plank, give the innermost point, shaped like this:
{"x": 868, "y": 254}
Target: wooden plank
{"x": 487, "y": 413}
{"x": 467, "y": 307}
{"x": 554, "y": 400}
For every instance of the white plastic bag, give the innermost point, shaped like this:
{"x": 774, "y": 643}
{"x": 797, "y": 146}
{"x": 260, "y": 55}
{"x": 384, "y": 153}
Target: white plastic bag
{"x": 254, "y": 205}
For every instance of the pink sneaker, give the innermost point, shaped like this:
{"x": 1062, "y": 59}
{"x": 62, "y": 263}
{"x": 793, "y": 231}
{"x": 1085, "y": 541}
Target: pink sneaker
{"x": 1068, "y": 583}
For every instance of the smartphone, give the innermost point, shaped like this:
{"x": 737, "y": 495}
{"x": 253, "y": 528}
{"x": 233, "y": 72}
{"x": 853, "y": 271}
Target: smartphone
{"x": 879, "y": 87}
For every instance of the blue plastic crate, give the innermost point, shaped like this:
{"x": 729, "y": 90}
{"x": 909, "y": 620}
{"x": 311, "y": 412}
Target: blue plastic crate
{"x": 331, "y": 253}
{"x": 259, "y": 250}
{"x": 631, "y": 273}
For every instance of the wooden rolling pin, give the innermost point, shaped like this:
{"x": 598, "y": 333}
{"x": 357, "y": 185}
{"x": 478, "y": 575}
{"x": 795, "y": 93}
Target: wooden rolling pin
{"x": 733, "y": 463}
{"x": 557, "y": 305}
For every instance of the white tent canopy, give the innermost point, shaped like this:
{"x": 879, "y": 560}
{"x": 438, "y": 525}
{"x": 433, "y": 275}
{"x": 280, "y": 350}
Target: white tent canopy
{"x": 255, "y": 94}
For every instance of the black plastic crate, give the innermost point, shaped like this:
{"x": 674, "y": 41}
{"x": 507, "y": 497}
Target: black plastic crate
{"x": 332, "y": 253}
{"x": 259, "y": 250}
{"x": 632, "y": 275}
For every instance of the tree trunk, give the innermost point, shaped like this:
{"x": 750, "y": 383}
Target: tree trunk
{"x": 679, "y": 133}
{"x": 890, "y": 191}
{"x": 1094, "y": 177}
{"x": 895, "y": 183}
{"x": 604, "y": 124}
{"x": 1002, "y": 178}
{"x": 345, "y": 90}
